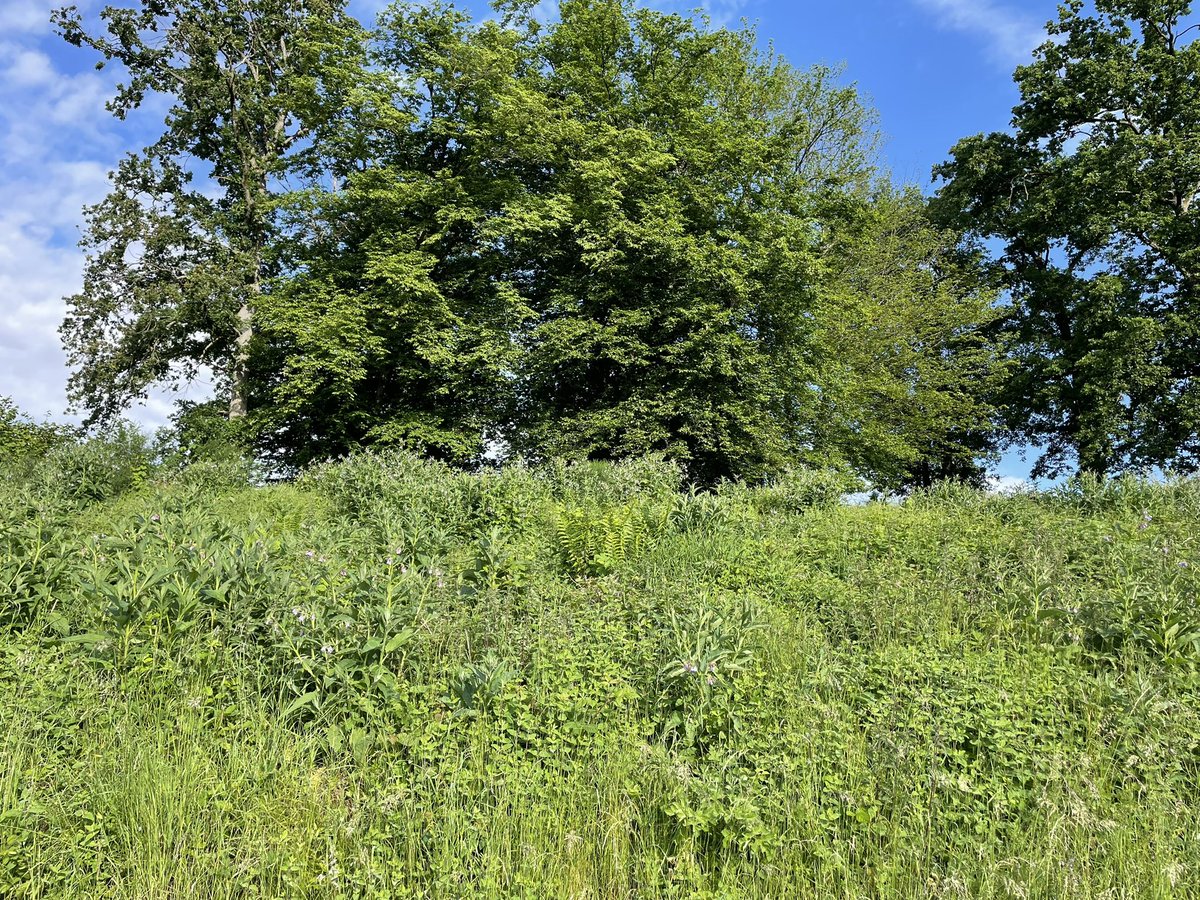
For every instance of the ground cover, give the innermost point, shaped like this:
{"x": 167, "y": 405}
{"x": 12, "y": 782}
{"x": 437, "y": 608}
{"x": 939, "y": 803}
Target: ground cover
{"x": 389, "y": 679}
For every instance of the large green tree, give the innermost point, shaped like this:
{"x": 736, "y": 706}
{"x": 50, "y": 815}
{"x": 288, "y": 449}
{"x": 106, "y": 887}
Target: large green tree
{"x": 672, "y": 271}
{"x": 395, "y": 322}
{"x": 182, "y": 248}
{"x": 620, "y": 232}
{"x": 1092, "y": 200}
{"x": 910, "y": 371}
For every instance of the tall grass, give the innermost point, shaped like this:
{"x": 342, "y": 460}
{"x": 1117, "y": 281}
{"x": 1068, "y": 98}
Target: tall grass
{"x": 393, "y": 680}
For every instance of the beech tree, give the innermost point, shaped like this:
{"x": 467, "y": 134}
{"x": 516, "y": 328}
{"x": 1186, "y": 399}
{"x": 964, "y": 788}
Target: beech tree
{"x": 181, "y": 249}
{"x": 618, "y": 233}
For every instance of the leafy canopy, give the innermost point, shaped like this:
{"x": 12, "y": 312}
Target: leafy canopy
{"x": 1093, "y": 202}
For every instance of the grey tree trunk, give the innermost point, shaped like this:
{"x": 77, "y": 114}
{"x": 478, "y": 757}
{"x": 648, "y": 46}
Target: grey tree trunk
{"x": 238, "y": 404}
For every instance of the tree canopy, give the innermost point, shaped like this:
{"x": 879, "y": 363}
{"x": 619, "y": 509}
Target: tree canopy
{"x": 1092, "y": 201}
{"x": 181, "y": 248}
{"x": 617, "y": 232}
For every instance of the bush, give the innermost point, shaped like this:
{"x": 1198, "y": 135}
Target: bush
{"x": 23, "y": 442}
{"x": 803, "y": 489}
{"x": 108, "y": 464}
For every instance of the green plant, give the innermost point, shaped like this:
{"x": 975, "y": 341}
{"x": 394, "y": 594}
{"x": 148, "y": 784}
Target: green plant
{"x": 709, "y": 650}
{"x": 477, "y": 687}
{"x": 595, "y": 542}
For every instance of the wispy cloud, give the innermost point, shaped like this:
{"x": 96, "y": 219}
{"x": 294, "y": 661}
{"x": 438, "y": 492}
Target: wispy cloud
{"x": 1011, "y": 36}
{"x": 725, "y": 12}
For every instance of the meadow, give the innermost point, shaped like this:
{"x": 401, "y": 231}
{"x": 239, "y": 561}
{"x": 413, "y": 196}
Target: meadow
{"x": 389, "y": 679}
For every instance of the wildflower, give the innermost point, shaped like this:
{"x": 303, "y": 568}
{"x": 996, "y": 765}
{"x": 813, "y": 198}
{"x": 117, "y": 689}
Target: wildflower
{"x": 194, "y": 703}
{"x": 327, "y": 649}
{"x": 690, "y": 667}
{"x": 391, "y": 561}
{"x": 711, "y": 680}
{"x": 156, "y": 518}
{"x": 343, "y": 574}
{"x": 310, "y": 553}
{"x": 1183, "y": 564}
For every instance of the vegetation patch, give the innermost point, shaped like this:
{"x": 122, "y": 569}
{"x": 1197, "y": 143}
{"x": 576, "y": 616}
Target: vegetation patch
{"x": 392, "y": 679}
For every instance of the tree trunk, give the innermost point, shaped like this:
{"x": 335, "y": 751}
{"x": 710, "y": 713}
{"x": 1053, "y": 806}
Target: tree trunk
{"x": 238, "y": 405}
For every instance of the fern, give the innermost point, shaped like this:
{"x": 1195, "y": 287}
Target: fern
{"x": 591, "y": 543}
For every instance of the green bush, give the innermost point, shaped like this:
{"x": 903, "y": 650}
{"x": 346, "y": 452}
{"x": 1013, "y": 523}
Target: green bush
{"x": 23, "y": 442}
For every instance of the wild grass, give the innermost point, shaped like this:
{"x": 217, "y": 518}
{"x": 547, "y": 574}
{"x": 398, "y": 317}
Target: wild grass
{"x": 393, "y": 680}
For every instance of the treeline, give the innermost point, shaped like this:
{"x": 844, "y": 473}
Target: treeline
{"x": 624, "y": 231}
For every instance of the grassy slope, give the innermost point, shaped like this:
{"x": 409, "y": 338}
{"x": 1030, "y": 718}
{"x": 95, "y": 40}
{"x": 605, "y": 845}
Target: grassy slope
{"x": 392, "y": 681}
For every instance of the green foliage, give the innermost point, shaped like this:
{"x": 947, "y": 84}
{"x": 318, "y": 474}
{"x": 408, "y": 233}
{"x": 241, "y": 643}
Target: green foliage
{"x": 1093, "y": 199}
{"x": 114, "y": 461}
{"x": 180, "y": 249}
{"x": 23, "y": 441}
{"x": 797, "y": 490}
{"x": 911, "y": 374}
{"x": 611, "y": 233}
{"x": 397, "y": 679}
{"x": 593, "y": 542}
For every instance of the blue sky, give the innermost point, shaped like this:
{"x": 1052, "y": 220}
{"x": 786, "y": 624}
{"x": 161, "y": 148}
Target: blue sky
{"x": 936, "y": 70}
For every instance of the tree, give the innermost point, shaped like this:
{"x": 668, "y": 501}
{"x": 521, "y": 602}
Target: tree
{"x": 909, "y": 372}
{"x": 671, "y": 269}
{"x": 1093, "y": 200}
{"x": 395, "y": 322}
{"x": 620, "y": 233}
{"x": 180, "y": 251}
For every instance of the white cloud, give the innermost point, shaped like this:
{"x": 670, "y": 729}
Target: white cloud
{"x": 726, "y": 12}
{"x": 1011, "y": 36}
{"x": 721, "y": 12}
{"x": 57, "y": 143}
{"x": 24, "y": 16}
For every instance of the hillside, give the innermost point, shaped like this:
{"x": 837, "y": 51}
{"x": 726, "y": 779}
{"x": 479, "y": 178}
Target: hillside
{"x": 392, "y": 680}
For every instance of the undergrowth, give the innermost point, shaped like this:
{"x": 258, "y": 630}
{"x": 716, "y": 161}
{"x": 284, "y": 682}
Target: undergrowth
{"x": 390, "y": 679}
